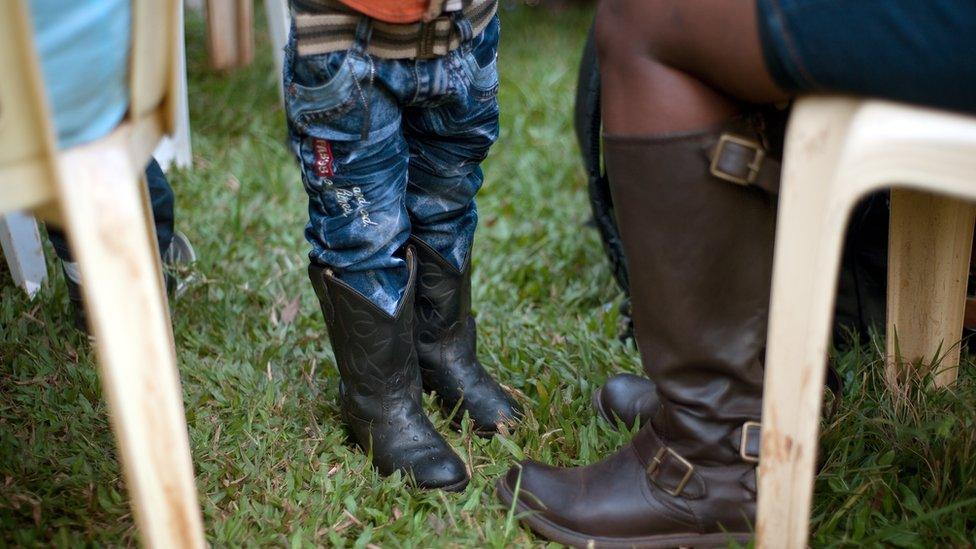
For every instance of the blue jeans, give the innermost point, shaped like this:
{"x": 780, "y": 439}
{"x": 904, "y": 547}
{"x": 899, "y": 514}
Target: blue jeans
{"x": 919, "y": 51}
{"x": 390, "y": 148}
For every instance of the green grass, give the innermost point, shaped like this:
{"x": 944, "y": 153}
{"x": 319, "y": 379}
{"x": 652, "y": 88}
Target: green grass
{"x": 272, "y": 465}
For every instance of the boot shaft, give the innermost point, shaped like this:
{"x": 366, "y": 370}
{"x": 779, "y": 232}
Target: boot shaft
{"x": 699, "y": 248}
{"x": 374, "y": 351}
{"x": 443, "y": 301}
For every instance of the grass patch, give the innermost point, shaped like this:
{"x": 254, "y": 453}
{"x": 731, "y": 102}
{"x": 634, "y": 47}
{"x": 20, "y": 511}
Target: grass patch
{"x": 271, "y": 460}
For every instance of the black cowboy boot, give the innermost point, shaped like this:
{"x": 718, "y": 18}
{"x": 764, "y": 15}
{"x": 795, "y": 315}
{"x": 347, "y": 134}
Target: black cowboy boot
{"x": 697, "y": 216}
{"x": 446, "y": 344}
{"x": 380, "y": 392}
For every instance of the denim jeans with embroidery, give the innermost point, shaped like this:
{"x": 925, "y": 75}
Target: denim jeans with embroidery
{"x": 390, "y": 148}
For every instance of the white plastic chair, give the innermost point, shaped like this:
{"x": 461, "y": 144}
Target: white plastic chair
{"x": 109, "y": 227}
{"x": 837, "y": 151}
{"x": 21, "y": 244}
{"x": 279, "y": 25}
{"x": 20, "y": 239}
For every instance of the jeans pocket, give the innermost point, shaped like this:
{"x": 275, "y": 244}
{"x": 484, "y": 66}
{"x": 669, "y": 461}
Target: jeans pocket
{"x": 480, "y": 63}
{"x": 482, "y": 80}
{"x": 321, "y": 91}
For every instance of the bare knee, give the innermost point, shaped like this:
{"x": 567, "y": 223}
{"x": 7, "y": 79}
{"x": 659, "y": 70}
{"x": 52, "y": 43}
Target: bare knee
{"x": 614, "y": 41}
{"x": 648, "y": 84}
{"x": 630, "y": 31}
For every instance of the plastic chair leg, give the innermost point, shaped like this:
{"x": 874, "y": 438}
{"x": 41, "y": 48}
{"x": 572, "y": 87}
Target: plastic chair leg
{"x": 811, "y": 221}
{"x": 929, "y": 248}
{"x": 106, "y": 225}
{"x": 21, "y": 244}
{"x": 229, "y": 33}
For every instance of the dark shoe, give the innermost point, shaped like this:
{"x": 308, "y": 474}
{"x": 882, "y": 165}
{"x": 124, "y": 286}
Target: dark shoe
{"x": 446, "y": 345}
{"x": 627, "y": 398}
{"x": 179, "y": 255}
{"x": 700, "y": 248}
{"x": 176, "y": 258}
{"x": 380, "y": 393}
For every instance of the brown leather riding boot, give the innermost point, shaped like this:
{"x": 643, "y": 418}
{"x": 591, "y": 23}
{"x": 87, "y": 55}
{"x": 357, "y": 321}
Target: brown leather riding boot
{"x": 697, "y": 216}
{"x": 627, "y": 398}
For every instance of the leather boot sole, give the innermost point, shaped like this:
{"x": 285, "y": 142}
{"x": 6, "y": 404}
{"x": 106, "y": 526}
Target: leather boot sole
{"x": 456, "y": 487}
{"x": 455, "y": 424}
{"x": 560, "y": 534}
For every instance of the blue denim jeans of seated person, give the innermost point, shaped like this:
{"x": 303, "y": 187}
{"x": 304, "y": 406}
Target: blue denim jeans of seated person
{"x": 390, "y": 148}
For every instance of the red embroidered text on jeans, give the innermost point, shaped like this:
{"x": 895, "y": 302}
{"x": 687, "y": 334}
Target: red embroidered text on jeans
{"x": 323, "y": 158}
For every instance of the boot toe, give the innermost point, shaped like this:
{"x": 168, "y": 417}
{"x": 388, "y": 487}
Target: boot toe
{"x": 628, "y": 398}
{"x": 609, "y": 499}
{"x": 444, "y": 472}
{"x": 490, "y": 408}
{"x": 538, "y": 487}
{"x": 490, "y": 417}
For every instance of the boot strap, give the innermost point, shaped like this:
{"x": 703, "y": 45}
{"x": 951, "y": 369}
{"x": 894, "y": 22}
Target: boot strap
{"x": 743, "y": 161}
{"x": 672, "y": 473}
{"x": 749, "y": 442}
{"x": 748, "y": 439}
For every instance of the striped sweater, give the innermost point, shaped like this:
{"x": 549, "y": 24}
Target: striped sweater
{"x": 323, "y": 26}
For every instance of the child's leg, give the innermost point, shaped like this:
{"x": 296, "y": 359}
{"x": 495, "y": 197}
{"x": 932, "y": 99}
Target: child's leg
{"x": 357, "y": 218}
{"x": 445, "y": 176}
{"x": 447, "y": 144}
{"x": 345, "y": 132}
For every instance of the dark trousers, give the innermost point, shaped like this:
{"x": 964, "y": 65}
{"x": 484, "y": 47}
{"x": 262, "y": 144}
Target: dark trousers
{"x": 162, "y": 199}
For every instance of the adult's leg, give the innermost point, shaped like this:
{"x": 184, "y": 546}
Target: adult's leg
{"x": 673, "y": 65}
{"x": 691, "y": 183}
{"x": 679, "y": 65}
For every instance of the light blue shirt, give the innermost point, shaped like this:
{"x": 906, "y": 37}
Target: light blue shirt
{"x": 84, "y": 50}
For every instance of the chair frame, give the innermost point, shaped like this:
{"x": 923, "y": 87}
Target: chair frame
{"x": 838, "y": 150}
{"x": 21, "y": 244}
{"x": 112, "y": 235}
{"x": 230, "y": 33}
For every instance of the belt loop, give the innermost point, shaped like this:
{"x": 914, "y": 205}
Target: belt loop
{"x": 463, "y": 25}
{"x": 364, "y": 31}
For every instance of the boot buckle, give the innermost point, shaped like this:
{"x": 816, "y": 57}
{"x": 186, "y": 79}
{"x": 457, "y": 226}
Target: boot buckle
{"x": 665, "y": 454}
{"x": 727, "y": 161}
{"x": 750, "y": 452}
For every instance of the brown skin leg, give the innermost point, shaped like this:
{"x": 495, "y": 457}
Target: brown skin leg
{"x": 679, "y": 65}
